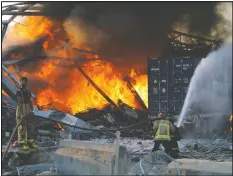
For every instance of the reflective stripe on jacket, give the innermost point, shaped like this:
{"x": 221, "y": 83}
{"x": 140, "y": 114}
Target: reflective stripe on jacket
{"x": 163, "y": 129}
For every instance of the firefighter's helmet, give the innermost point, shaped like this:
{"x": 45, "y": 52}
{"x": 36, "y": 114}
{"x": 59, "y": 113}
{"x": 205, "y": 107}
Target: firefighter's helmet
{"x": 161, "y": 115}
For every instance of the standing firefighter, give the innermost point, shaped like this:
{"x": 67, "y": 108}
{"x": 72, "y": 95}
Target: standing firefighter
{"x": 175, "y": 137}
{"x": 163, "y": 128}
{"x": 24, "y": 111}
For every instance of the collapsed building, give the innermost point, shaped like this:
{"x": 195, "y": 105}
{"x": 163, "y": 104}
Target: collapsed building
{"x": 126, "y": 111}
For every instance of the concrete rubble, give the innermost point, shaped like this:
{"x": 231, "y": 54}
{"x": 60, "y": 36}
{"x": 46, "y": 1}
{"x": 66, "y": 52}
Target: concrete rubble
{"x": 91, "y": 158}
{"x": 156, "y": 163}
{"x": 217, "y": 149}
{"x": 152, "y": 164}
{"x": 199, "y": 167}
{"x": 97, "y": 151}
{"x": 207, "y": 149}
{"x": 8, "y": 111}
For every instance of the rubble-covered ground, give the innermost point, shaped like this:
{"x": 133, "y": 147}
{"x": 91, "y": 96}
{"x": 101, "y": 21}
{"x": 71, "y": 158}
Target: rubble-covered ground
{"x": 8, "y": 120}
{"x": 215, "y": 149}
{"x": 137, "y": 140}
{"x": 219, "y": 149}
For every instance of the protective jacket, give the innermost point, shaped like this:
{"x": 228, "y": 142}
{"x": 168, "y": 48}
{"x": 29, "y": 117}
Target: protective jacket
{"x": 23, "y": 111}
{"x": 163, "y": 128}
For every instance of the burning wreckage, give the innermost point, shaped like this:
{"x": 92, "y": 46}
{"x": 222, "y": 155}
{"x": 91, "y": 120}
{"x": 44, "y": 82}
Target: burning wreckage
{"x": 65, "y": 141}
{"x": 53, "y": 125}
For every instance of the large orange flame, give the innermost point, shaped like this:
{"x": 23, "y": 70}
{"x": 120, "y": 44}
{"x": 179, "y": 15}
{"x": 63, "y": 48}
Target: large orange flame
{"x": 67, "y": 89}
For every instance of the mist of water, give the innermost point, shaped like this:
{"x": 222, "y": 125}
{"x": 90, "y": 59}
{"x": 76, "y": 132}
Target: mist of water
{"x": 210, "y": 89}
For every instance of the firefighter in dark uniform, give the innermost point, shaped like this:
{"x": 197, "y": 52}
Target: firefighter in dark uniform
{"x": 163, "y": 128}
{"x": 24, "y": 111}
{"x": 175, "y": 137}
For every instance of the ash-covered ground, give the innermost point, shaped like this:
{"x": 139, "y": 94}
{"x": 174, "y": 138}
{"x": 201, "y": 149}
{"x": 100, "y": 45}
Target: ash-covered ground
{"x": 219, "y": 149}
{"x": 139, "y": 144}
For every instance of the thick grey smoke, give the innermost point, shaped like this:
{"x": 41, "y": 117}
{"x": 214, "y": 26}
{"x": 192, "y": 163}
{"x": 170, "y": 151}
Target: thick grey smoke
{"x": 210, "y": 89}
{"x": 127, "y": 33}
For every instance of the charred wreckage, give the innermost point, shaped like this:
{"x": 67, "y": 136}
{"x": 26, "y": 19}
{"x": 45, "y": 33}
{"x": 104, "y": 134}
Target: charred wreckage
{"x": 165, "y": 95}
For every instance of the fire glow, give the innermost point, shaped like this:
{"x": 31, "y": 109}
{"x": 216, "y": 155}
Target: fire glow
{"x": 230, "y": 119}
{"x": 67, "y": 90}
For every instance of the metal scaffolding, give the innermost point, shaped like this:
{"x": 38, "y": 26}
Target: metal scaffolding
{"x": 187, "y": 44}
{"x": 14, "y": 10}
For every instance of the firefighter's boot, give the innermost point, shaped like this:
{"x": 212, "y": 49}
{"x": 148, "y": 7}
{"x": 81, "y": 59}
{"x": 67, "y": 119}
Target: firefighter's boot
{"x": 23, "y": 145}
{"x": 32, "y": 145}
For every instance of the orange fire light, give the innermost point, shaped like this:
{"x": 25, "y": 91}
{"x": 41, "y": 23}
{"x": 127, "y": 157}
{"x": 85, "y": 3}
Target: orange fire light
{"x": 230, "y": 119}
{"x": 4, "y": 93}
{"x": 67, "y": 89}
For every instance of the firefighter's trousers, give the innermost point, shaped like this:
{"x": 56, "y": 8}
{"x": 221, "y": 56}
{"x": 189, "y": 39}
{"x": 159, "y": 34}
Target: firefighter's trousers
{"x": 171, "y": 147}
{"x": 166, "y": 145}
{"x": 174, "y": 149}
{"x": 26, "y": 130}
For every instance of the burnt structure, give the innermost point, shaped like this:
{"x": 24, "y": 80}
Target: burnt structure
{"x": 170, "y": 74}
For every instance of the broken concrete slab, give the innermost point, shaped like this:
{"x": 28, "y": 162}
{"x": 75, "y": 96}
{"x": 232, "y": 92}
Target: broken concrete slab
{"x": 87, "y": 145}
{"x": 155, "y": 163}
{"x": 90, "y": 158}
{"x": 199, "y": 167}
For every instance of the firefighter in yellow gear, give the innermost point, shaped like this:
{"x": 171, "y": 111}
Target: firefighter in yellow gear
{"x": 24, "y": 111}
{"x": 175, "y": 137}
{"x": 163, "y": 130}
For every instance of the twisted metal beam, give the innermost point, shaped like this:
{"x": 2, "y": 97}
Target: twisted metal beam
{"x": 22, "y": 9}
{"x": 38, "y": 58}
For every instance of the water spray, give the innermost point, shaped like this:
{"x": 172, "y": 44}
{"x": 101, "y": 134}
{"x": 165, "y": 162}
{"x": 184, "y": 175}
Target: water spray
{"x": 210, "y": 87}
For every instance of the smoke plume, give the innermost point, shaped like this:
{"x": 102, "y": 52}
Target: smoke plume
{"x": 128, "y": 32}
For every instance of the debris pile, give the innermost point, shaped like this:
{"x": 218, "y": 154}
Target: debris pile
{"x": 110, "y": 115}
{"x": 112, "y": 118}
{"x": 217, "y": 149}
{"x": 8, "y": 121}
{"x": 38, "y": 169}
{"x": 152, "y": 164}
{"x": 47, "y": 135}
